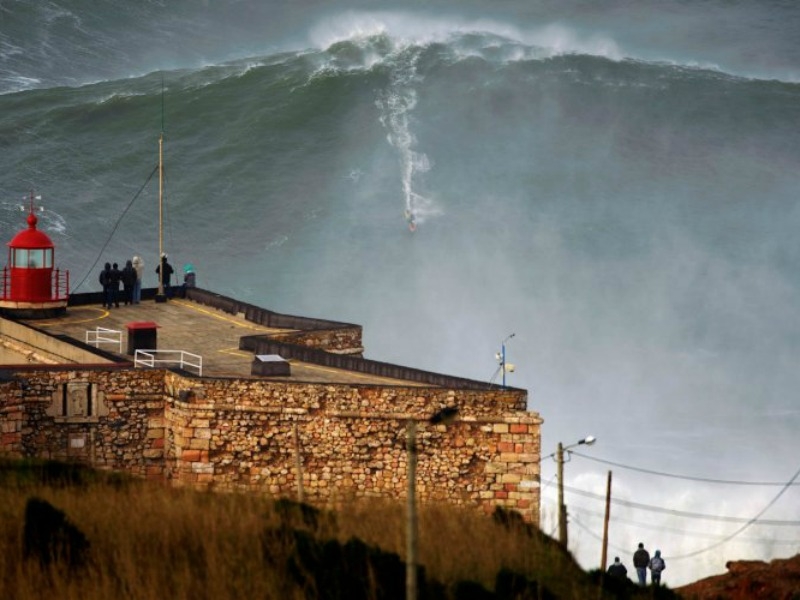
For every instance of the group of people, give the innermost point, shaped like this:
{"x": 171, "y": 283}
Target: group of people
{"x": 130, "y": 277}
{"x": 641, "y": 562}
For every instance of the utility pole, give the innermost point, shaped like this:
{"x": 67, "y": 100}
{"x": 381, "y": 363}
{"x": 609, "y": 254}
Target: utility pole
{"x": 562, "y": 508}
{"x": 298, "y": 464}
{"x": 445, "y": 416}
{"x": 604, "y": 559}
{"x": 411, "y": 519}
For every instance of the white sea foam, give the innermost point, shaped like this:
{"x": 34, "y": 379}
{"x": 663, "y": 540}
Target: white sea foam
{"x": 405, "y": 29}
{"x": 11, "y": 82}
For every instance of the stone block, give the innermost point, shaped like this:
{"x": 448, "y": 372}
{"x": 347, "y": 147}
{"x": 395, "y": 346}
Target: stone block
{"x": 528, "y": 458}
{"x": 495, "y": 467}
{"x": 196, "y": 444}
{"x": 506, "y": 447}
{"x": 202, "y": 433}
{"x": 509, "y": 457}
{"x": 10, "y": 427}
{"x": 202, "y": 467}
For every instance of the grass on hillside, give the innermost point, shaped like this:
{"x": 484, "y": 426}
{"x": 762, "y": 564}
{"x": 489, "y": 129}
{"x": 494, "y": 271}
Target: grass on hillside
{"x": 151, "y": 541}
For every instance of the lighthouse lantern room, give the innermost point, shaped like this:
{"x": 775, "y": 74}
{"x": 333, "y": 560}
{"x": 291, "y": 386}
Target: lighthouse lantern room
{"x": 31, "y": 287}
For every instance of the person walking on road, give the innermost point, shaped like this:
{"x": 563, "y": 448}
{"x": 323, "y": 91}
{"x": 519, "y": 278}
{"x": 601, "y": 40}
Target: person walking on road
{"x": 641, "y": 560}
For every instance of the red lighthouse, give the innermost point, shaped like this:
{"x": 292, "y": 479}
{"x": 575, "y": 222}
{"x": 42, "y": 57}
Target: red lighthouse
{"x": 31, "y": 287}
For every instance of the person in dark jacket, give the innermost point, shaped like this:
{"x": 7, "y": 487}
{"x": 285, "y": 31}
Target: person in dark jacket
{"x": 105, "y": 281}
{"x": 641, "y": 560}
{"x": 128, "y": 282}
{"x": 116, "y": 278}
{"x": 166, "y": 277}
{"x": 618, "y": 570}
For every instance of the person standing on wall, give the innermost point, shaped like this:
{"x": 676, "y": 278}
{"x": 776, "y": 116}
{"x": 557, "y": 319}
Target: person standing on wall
{"x": 138, "y": 266}
{"x": 641, "y": 560}
{"x": 105, "y": 281}
{"x": 116, "y": 277}
{"x": 167, "y": 276}
{"x": 657, "y": 565}
{"x": 128, "y": 281}
{"x": 189, "y": 278}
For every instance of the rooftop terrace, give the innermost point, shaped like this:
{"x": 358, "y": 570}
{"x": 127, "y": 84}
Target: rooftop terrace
{"x": 227, "y": 334}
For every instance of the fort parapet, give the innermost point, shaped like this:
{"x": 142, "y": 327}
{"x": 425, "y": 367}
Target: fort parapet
{"x": 335, "y": 428}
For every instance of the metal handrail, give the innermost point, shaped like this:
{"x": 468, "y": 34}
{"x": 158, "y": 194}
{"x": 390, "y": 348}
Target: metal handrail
{"x": 101, "y": 335}
{"x": 59, "y": 285}
{"x": 147, "y": 358}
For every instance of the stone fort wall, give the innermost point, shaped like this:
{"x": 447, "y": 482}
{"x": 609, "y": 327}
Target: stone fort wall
{"x": 253, "y": 434}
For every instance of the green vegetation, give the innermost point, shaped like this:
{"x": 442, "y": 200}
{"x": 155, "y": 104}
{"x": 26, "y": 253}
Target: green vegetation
{"x": 145, "y": 540}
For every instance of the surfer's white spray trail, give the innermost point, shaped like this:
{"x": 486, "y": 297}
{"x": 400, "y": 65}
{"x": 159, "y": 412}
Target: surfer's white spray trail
{"x": 396, "y": 104}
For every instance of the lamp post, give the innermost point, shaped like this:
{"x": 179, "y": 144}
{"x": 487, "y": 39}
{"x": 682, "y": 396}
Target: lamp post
{"x": 501, "y": 359}
{"x": 445, "y": 416}
{"x": 160, "y": 296}
{"x": 562, "y": 508}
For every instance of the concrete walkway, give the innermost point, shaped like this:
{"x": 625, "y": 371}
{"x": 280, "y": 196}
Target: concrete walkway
{"x": 184, "y": 325}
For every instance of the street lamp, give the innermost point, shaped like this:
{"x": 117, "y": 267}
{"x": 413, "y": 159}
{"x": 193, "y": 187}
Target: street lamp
{"x": 445, "y": 416}
{"x": 562, "y": 508}
{"x": 501, "y": 359}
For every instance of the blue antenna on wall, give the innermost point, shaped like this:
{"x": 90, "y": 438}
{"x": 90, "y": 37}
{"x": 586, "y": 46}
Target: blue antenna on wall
{"x": 505, "y": 367}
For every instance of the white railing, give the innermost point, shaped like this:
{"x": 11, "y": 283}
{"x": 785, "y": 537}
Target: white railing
{"x": 154, "y": 358}
{"x": 101, "y": 335}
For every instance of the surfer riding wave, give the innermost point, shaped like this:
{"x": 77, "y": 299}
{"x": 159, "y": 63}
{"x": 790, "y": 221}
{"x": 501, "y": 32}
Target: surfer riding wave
{"x": 411, "y": 219}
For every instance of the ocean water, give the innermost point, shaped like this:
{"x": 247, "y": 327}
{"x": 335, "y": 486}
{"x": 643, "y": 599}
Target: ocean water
{"x": 614, "y": 183}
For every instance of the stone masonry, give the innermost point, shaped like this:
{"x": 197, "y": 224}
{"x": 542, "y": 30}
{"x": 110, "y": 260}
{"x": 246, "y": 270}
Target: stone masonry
{"x": 247, "y": 434}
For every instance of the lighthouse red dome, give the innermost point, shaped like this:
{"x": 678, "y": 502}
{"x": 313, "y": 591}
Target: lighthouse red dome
{"x": 31, "y": 237}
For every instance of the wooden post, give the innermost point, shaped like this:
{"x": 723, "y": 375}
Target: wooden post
{"x": 562, "y": 508}
{"x": 604, "y": 559}
{"x": 298, "y": 464}
{"x": 411, "y": 522}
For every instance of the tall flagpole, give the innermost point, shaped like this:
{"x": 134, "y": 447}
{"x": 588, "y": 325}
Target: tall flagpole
{"x": 160, "y": 296}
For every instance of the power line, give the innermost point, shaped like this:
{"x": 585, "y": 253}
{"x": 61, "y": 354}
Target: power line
{"x": 114, "y": 229}
{"x": 619, "y": 549}
{"x": 687, "y": 477}
{"x": 746, "y": 525}
{"x": 690, "y": 515}
{"x": 683, "y": 532}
